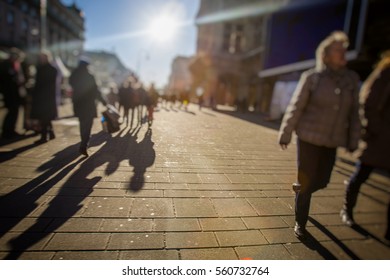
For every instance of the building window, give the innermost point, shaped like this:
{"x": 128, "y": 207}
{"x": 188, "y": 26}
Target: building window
{"x": 10, "y": 17}
{"x": 233, "y": 38}
{"x": 24, "y": 7}
{"x": 25, "y": 26}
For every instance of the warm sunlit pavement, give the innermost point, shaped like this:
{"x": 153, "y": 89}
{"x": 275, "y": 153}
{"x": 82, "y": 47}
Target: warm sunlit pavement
{"x": 198, "y": 185}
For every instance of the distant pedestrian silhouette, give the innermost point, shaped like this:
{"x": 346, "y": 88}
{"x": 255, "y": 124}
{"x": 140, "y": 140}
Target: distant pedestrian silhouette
{"x": 85, "y": 92}
{"x": 44, "y": 106}
{"x": 11, "y": 83}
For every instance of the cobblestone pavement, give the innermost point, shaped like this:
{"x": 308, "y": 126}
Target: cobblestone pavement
{"x": 197, "y": 185}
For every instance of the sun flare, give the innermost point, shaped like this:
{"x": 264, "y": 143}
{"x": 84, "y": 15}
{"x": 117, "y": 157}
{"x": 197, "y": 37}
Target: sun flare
{"x": 163, "y": 28}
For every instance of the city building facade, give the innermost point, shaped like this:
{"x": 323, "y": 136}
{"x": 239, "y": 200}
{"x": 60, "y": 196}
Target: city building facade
{"x": 251, "y": 53}
{"x": 180, "y": 79}
{"x": 62, "y": 30}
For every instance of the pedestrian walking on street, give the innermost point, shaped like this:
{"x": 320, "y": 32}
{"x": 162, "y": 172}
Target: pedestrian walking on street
{"x": 375, "y": 97}
{"x": 126, "y": 100}
{"x": 44, "y": 105}
{"x": 324, "y": 113}
{"x": 85, "y": 94}
{"x": 11, "y": 84}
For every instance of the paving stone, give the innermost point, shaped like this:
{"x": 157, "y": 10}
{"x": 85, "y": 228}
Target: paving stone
{"x": 145, "y": 193}
{"x": 62, "y": 206}
{"x": 240, "y": 238}
{"x": 181, "y": 224}
{"x": 369, "y": 249}
{"x": 235, "y": 207}
{"x": 149, "y": 255}
{"x": 208, "y": 254}
{"x": 86, "y": 255}
{"x": 126, "y": 225}
{"x": 264, "y": 222}
{"x": 173, "y": 186}
{"x": 194, "y": 207}
{"x": 190, "y": 240}
{"x": 264, "y": 252}
{"x": 78, "y": 241}
{"x": 270, "y": 206}
{"x": 75, "y": 225}
{"x": 215, "y": 224}
{"x": 214, "y": 178}
{"x": 301, "y": 252}
{"x": 279, "y": 178}
{"x": 108, "y": 192}
{"x": 31, "y": 255}
{"x": 129, "y": 241}
{"x": 152, "y": 207}
{"x": 181, "y": 193}
{"x": 184, "y": 178}
{"x": 157, "y": 177}
{"x": 280, "y": 235}
{"x": 108, "y": 207}
{"x": 212, "y": 187}
{"x": 18, "y": 224}
{"x": 241, "y": 178}
{"x": 29, "y": 241}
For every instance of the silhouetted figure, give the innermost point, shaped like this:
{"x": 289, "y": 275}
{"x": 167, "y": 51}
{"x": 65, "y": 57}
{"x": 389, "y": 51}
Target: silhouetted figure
{"x": 375, "y": 95}
{"x": 11, "y": 82}
{"x": 324, "y": 114}
{"x": 151, "y": 102}
{"x": 85, "y": 93}
{"x": 44, "y": 105}
{"x": 125, "y": 95}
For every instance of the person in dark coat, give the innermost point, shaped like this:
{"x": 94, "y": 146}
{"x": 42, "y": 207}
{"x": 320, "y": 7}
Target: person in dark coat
{"x": 375, "y": 96}
{"x": 85, "y": 94}
{"x": 125, "y": 95}
{"x": 44, "y": 107}
{"x": 324, "y": 113}
{"x": 11, "y": 83}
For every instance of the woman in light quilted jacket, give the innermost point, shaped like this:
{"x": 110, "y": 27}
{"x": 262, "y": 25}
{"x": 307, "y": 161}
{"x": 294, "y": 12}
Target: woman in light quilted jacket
{"x": 324, "y": 113}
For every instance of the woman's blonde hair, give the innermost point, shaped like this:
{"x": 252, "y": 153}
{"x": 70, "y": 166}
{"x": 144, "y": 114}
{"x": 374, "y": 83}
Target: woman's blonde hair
{"x": 383, "y": 63}
{"x": 323, "y": 47}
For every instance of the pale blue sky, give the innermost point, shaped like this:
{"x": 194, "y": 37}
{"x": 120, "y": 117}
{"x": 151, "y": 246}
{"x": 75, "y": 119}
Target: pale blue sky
{"x": 119, "y": 26}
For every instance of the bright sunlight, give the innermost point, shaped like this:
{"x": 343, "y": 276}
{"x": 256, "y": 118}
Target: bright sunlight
{"x": 163, "y": 28}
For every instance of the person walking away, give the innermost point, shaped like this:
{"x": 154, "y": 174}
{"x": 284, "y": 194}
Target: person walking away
{"x": 151, "y": 102}
{"x": 11, "y": 83}
{"x": 324, "y": 114}
{"x": 125, "y": 95}
{"x": 85, "y": 94}
{"x": 375, "y": 96}
{"x": 44, "y": 103}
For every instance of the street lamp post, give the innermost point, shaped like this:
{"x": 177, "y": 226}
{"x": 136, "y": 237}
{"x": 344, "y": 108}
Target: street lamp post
{"x": 139, "y": 57}
{"x": 43, "y": 14}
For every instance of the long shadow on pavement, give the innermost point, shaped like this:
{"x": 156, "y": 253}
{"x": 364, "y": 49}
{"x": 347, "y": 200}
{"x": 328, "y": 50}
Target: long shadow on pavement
{"x": 143, "y": 157}
{"x": 8, "y": 155}
{"x": 314, "y": 244}
{"x": 64, "y": 206}
{"x": 18, "y": 204}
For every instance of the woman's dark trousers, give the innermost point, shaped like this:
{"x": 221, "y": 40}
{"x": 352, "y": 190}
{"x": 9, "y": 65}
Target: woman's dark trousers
{"x": 315, "y": 165}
